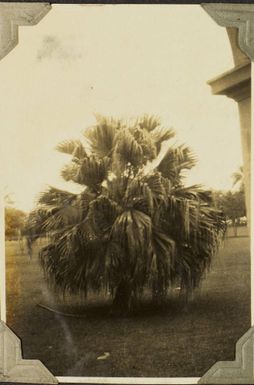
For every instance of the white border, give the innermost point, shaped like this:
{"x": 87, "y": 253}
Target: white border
{"x": 252, "y": 200}
{"x": 130, "y": 380}
{"x": 125, "y": 380}
{"x": 2, "y": 260}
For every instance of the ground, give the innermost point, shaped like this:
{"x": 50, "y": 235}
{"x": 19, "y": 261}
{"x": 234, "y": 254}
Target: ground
{"x": 157, "y": 342}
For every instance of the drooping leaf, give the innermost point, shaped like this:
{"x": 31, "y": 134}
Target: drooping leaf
{"x": 70, "y": 172}
{"x": 176, "y": 160}
{"x": 160, "y": 135}
{"x": 93, "y": 172}
{"x": 72, "y": 147}
{"x": 148, "y": 122}
{"x": 54, "y": 197}
{"x": 102, "y": 214}
{"x": 102, "y": 136}
{"x": 127, "y": 151}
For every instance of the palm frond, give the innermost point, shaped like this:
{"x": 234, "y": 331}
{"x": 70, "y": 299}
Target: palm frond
{"x": 195, "y": 192}
{"x": 70, "y": 172}
{"x": 132, "y": 231}
{"x": 72, "y": 147}
{"x": 102, "y": 136}
{"x": 160, "y": 135}
{"x": 75, "y": 262}
{"x": 144, "y": 139}
{"x": 116, "y": 188}
{"x": 238, "y": 177}
{"x": 148, "y": 122}
{"x": 54, "y": 197}
{"x": 102, "y": 214}
{"x": 197, "y": 230}
{"x": 175, "y": 161}
{"x": 127, "y": 151}
{"x": 138, "y": 195}
{"x": 162, "y": 262}
{"x": 159, "y": 188}
{"x": 93, "y": 172}
{"x": 61, "y": 218}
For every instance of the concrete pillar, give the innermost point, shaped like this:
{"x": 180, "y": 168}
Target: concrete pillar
{"x": 244, "y": 107}
{"x": 236, "y": 84}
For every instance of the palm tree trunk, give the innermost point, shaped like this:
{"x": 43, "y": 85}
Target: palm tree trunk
{"x": 123, "y": 299}
{"x": 235, "y": 227}
{"x": 159, "y": 292}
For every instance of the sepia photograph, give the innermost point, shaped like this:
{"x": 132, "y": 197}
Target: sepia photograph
{"x": 126, "y": 190}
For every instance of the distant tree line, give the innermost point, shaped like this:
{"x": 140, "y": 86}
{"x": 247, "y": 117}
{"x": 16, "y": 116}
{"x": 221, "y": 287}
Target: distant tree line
{"x": 14, "y": 222}
{"x": 232, "y": 203}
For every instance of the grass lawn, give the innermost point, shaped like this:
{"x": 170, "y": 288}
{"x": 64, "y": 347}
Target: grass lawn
{"x": 157, "y": 342}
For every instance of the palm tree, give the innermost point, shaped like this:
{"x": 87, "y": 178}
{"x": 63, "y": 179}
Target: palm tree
{"x": 135, "y": 225}
{"x": 238, "y": 178}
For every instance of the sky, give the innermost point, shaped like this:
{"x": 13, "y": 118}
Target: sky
{"x": 115, "y": 60}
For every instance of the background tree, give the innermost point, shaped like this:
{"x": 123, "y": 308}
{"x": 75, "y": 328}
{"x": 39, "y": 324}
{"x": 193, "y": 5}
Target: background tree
{"x": 14, "y": 222}
{"x": 232, "y": 203}
{"x": 135, "y": 224}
